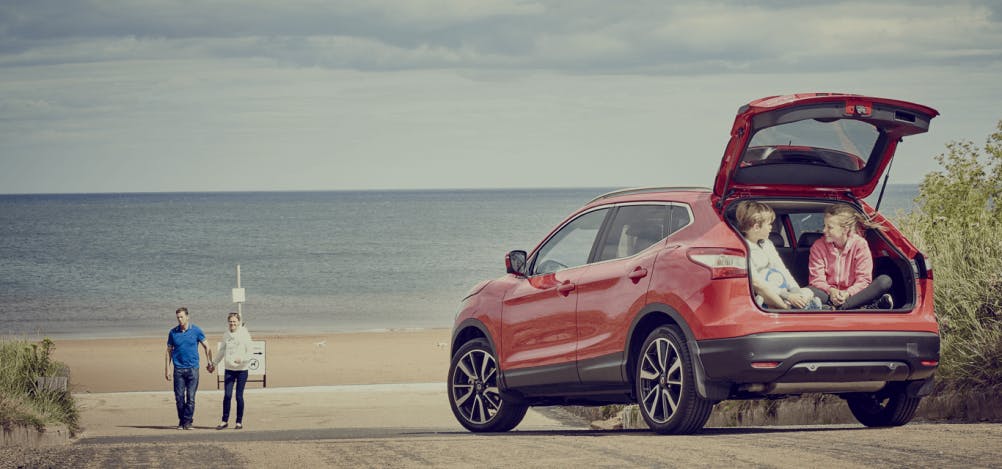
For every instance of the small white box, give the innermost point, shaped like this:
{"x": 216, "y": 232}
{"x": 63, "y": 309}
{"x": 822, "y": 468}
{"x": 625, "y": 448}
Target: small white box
{"x": 238, "y": 295}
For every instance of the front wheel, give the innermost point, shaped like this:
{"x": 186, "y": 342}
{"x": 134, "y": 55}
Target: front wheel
{"x": 890, "y": 407}
{"x": 666, "y": 389}
{"x": 474, "y": 394}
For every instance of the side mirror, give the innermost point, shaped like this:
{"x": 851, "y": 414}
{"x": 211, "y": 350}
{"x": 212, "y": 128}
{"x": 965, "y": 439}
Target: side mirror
{"x": 514, "y": 262}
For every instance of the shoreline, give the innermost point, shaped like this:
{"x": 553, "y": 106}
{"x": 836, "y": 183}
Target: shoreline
{"x": 128, "y": 364}
{"x": 146, "y": 334}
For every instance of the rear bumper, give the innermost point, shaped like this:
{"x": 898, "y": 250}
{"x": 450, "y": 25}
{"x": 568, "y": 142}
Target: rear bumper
{"x": 820, "y": 357}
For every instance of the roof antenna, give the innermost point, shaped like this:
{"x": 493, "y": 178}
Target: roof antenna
{"x": 883, "y": 186}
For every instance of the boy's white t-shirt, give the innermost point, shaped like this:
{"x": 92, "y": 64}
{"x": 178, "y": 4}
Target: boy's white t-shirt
{"x": 764, "y": 262}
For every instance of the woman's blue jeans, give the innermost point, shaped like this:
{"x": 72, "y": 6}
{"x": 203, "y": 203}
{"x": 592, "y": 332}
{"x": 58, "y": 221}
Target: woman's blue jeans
{"x": 240, "y": 379}
{"x": 185, "y": 385}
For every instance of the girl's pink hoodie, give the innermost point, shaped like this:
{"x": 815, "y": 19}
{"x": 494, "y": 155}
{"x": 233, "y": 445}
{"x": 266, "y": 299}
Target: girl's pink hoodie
{"x": 849, "y": 268}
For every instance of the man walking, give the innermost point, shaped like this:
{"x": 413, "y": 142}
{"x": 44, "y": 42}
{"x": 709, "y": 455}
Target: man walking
{"x": 182, "y": 351}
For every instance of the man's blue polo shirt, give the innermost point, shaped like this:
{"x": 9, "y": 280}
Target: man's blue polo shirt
{"x": 185, "y": 345}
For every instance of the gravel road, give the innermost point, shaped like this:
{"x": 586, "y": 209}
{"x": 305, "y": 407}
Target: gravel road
{"x": 847, "y": 446}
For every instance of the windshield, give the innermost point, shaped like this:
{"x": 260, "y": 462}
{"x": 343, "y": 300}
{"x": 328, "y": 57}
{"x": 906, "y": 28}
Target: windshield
{"x": 840, "y": 143}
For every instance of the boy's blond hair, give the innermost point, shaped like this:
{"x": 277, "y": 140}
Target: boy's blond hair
{"x": 750, "y": 213}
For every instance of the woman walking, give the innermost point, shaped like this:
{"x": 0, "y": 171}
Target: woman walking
{"x": 236, "y": 356}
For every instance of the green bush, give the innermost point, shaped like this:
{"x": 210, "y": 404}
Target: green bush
{"x": 957, "y": 223}
{"x": 22, "y": 400}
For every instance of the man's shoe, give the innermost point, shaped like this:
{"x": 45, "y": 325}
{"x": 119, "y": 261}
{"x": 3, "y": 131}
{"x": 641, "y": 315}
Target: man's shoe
{"x": 187, "y": 426}
{"x": 886, "y": 301}
{"x": 239, "y": 426}
{"x": 180, "y": 427}
{"x": 222, "y": 426}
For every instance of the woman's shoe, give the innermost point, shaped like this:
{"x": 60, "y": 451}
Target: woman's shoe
{"x": 222, "y": 426}
{"x": 239, "y": 426}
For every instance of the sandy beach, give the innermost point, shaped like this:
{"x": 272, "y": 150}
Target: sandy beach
{"x": 390, "y": 379}
{"x": 137, "y": 364}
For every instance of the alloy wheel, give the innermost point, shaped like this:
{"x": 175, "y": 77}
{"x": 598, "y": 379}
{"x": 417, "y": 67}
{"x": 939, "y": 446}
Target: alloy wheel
{"x": 474, "y": 387}
{"x": 661, "y": 380}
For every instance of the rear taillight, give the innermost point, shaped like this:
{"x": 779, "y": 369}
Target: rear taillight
{"x": 722, "y": 262}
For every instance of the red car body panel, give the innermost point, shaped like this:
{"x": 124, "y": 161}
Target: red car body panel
{"x": 574, "y": 318}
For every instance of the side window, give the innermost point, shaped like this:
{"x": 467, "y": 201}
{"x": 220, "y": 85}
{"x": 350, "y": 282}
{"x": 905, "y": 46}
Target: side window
{"x": 633, "y": 229}
{"x": 572, "y": 245}
{"x": 680, "y": 218}
{"x": 807, "y": 223}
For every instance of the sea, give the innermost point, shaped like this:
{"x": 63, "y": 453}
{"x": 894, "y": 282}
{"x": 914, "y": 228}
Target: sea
{"x": 119, "y": 265}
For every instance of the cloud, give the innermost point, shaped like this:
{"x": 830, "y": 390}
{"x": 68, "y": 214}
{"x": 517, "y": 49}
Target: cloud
{"x": 647, "y": 37}
{"x": 272, "y": 95}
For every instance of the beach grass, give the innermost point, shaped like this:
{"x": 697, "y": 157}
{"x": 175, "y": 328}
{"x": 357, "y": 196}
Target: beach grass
{"x": 25, "y": 399}
{"x": 957, "y": 223}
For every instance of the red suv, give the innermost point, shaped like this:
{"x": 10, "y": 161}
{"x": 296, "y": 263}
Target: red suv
{"x": 643, "y": 296}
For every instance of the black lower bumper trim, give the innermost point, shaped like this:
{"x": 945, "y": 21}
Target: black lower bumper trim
{"x": 806, "y": 357}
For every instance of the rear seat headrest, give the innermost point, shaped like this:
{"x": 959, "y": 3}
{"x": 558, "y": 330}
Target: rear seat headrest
{"x": 776, "y": 238}
{"x": 808, "y": 238}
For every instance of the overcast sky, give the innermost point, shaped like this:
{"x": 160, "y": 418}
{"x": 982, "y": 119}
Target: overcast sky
{"x": 149, "y": 96}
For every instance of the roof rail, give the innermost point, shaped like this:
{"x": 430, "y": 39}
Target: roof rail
{"x": 644, "y": 190}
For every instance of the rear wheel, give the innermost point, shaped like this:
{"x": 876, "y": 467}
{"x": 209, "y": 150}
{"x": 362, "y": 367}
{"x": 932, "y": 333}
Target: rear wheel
{"x": 474, "y": 395}
{"x": 666, "y": 389}
{"x": 890, "y": 407}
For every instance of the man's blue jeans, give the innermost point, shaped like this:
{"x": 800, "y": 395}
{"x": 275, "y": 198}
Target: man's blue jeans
{"x": 185, "y": 385}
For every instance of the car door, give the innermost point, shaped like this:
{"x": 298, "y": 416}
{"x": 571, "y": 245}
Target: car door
{"x": 615, "y": 286}
{"x": 538, "y": 326}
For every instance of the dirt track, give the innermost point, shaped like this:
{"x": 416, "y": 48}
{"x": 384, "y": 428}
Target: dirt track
{"x": 412, "y": 426}
{"x": 925, "y": 445}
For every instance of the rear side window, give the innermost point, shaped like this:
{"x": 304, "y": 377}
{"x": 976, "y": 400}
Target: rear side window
{"x": 807, "y": 223}
{"x": 638, "y": 227}
{"x": 633, "y": 229}
{"x": 680, "y": 217}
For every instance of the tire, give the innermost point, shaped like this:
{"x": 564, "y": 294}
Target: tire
{"x": 474, "y": 394}
{"x": 890, "y": 407}
{"x": 665, "y": 387}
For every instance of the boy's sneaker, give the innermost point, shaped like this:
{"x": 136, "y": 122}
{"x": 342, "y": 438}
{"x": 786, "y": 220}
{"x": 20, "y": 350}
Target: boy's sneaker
{"x": 886, "y": 301}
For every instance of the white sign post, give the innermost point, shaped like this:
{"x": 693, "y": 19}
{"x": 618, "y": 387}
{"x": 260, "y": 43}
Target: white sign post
{"x": 239, "y": 296}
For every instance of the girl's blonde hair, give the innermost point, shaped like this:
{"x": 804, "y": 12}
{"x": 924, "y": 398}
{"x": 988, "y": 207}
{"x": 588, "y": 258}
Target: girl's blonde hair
{"x": 850, "y": 219}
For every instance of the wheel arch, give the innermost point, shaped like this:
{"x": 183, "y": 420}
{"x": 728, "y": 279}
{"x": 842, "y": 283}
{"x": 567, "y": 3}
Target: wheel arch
{"x": 468, "y": 330}
{"x": 654, "y": 316}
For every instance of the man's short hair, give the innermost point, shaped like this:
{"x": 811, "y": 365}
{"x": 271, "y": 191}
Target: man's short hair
{"x": 749, "y": 213}
{"x": 182, "y": 309}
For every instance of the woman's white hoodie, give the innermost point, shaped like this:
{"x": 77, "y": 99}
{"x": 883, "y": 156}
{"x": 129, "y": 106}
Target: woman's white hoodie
{"x": 235, "y": 350}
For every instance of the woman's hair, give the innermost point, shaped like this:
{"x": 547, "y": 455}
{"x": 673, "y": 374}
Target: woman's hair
{"x": 850, "y": 219}
{"x": 233, "y": 315}
{"x": 750, "y": 213}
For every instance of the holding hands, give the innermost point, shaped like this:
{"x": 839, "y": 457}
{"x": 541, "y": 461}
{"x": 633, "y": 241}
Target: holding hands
{"x": 210, "y": 368}
{"x": 838, "y": 296}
